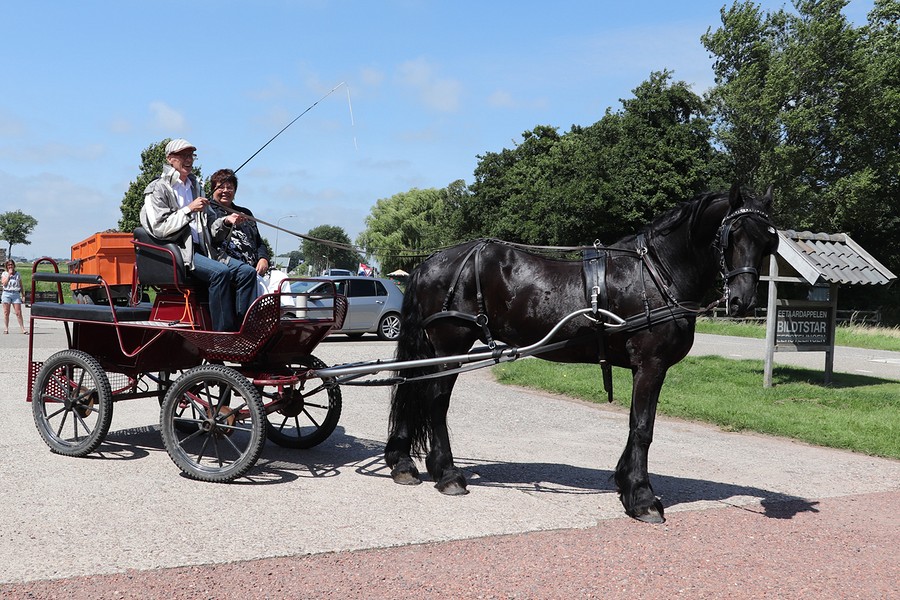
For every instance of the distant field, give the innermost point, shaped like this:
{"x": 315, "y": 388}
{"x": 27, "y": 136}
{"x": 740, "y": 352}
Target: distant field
{"x": 25, "y": 270}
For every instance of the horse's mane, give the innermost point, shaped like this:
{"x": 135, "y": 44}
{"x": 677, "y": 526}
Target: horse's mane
{"x": 689, "y": 210}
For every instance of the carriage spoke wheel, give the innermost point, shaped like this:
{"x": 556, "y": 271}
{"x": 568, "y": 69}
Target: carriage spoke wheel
{"x": 305, "y": 416}
{"x": 72, "y": 403}
{"x": 213, "y": 423}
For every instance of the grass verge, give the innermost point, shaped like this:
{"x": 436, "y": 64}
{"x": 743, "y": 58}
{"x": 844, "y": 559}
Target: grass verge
{"x": 855, "y": 413}
{"x": 24, "y": 270}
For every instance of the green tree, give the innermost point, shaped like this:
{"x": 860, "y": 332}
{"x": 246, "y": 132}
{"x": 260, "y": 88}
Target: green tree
{"x": 338, "y": 254}
{"x": 746, "y": 99}
{"x": 811, "y": 103}
{"x": 656, "y": 152}
{"x": 598, "y": 182}
{"x": 295, "y": 259}
{"x": 404, "y": 228}
{"x": 15, "y": 227}
{"x": 153, "y": 159}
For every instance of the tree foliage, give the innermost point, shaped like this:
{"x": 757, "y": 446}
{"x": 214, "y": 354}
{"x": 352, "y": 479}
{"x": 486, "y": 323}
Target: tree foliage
{"x": 811, "y": 103}
{"x": 15, "y": 227}
{"x": 153, "y": 159}
{"x": 601, "y": 181}
{"x": 403, "y": 228}
{"x": 321, "y": 256}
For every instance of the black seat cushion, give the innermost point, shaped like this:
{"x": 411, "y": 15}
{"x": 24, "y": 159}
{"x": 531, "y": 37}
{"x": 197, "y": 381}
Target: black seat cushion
{"x": 90, "y": 312}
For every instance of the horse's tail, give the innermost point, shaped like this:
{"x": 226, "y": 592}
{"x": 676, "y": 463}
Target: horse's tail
{"x": 410, "y": 410}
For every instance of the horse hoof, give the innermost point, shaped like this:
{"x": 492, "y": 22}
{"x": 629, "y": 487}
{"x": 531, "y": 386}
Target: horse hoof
{"x": 651, "y": 517}
{"x": 655, "y": 514}
{"x": 405, "y": 478}
{"x": 452, "y": 489}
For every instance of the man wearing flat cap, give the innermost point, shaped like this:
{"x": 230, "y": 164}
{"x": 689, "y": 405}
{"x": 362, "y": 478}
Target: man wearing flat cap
{"x": 175, "y": 211}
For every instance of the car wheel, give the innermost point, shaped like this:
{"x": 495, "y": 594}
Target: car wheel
{"x": 389, "y": 327}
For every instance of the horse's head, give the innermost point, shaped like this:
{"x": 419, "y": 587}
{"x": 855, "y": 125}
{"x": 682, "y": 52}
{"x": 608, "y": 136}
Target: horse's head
{"x": 746, "y": 237}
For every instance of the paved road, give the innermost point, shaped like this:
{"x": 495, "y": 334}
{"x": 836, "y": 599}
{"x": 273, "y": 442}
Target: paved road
{"x": 873, "y": 363}
{"x": 537, "y": 463}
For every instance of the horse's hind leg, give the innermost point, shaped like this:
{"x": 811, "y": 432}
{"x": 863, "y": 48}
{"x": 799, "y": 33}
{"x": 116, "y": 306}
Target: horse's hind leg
{"x": 447, "y": 476}
{"x": 398, "y": 450}
{"x": 397, "y": 455}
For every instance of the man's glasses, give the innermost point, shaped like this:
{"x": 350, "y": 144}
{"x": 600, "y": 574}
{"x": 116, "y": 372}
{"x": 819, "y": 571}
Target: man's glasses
{"x": 184, "y": 155}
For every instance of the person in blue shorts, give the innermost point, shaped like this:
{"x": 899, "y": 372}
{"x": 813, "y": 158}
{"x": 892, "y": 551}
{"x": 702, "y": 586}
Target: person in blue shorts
{"x": 12, "y": 295}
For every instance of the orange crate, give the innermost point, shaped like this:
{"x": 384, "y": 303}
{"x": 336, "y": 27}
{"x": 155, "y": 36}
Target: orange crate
{"x": 109, "y": 255}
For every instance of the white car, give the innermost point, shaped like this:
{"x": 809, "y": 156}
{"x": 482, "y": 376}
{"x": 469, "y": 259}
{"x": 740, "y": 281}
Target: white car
{"x": 373, "y": 303}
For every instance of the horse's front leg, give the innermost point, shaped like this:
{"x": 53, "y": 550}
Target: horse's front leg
{"x": 447, "y": 476}
{"x": 632, "y": 478}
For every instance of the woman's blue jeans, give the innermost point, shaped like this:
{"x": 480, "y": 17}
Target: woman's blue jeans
{"x": 232, "y": 289}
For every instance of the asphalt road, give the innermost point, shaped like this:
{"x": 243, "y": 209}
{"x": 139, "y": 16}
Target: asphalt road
{"x": 874, "y": 363}
{"x": 536, "y": 463}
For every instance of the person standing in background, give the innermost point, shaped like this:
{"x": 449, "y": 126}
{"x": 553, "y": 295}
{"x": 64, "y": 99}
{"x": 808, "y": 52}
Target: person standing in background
{"x": 12, "y": 295}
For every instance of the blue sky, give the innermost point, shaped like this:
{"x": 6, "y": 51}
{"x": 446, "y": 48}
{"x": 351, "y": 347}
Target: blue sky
{"x": 88, "y": 85}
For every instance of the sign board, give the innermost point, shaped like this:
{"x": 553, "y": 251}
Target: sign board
{"x": 804, "y": 325}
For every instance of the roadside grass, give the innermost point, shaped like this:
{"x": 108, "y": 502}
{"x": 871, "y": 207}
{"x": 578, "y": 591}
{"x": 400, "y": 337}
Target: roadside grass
{"x": 856, "y": 412}
{"x": 24, "y": 270}
{"x": 856, "y": 336}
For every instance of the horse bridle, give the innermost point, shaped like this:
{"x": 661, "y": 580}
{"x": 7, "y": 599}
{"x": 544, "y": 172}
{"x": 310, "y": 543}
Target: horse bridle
{"x": 723, "y": 241}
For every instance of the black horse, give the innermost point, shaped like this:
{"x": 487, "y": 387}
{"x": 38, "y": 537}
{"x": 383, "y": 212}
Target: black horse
{"x": 495, "y": 291}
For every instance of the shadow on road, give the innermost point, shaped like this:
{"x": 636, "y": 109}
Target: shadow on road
{"x": 363, "y": 456}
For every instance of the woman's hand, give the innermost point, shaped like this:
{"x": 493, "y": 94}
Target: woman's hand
{"x": 235, "y": 219}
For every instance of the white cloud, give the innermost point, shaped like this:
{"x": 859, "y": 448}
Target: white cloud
{"x": 120, "y": 125}
{"x": 371, "y": 76}
{"x": 441, "y": 94}
{"x": 166, "y": 118}
{"x": 67, "y": 212}
{"x": 503, "y": 99}
{"x": 42, "y": 154}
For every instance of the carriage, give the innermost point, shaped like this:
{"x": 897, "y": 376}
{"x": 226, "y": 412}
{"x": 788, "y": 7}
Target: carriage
{"x": 223, "y": 394}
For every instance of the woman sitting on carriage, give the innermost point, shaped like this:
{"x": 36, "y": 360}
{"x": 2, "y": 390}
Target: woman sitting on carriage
{"x": 244, "y": 242}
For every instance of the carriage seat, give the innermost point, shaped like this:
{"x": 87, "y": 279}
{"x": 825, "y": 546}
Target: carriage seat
{"x": 159, "y": 263}
{"x": 102, "y": 313}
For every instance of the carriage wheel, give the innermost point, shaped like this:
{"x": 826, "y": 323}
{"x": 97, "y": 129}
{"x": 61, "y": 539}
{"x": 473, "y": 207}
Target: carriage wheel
{"x": 213, "y": 423}
{"x": 305, "y": 417}
{"x": 72, "y": 403}
{"x": 166, "y": 378}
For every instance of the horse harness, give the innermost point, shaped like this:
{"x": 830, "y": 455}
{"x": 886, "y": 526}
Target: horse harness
{"x": 481, "y": 319}
{"x": 595, "y": 260}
